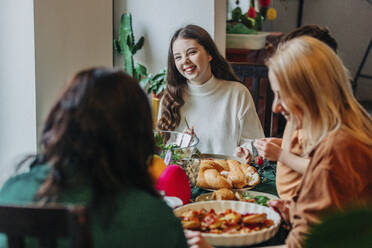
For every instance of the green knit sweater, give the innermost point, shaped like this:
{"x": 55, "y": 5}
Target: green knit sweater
{"x": 132, "y": 219}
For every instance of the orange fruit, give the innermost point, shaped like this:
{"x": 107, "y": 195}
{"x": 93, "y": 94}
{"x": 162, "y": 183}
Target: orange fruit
{"x": 157, "y": 167}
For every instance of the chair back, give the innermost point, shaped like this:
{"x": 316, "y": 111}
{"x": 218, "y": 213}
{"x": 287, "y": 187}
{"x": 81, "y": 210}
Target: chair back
{"x": 47, "y": 224}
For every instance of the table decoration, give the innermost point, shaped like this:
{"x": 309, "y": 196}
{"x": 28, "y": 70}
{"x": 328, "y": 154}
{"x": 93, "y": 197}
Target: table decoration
{"x": 244, "y": 30}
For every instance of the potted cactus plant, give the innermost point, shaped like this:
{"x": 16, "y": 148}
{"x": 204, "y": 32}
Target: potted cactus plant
{"x": 126, "y": 46}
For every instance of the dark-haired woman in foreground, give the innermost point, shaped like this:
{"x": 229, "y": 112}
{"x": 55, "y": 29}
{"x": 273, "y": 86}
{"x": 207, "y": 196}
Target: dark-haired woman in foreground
{"x": 96, "y": 145}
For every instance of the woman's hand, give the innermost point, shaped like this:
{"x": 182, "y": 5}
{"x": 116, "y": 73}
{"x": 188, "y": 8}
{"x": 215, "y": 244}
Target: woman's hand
{"x": 282, "y": 207}
{"x": 269, "y": 148}
{"x": 196, "y": 240}
{"x": 243, "y": 153}
{"x": 189, "y": 131}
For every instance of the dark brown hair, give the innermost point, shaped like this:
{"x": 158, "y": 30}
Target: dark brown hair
{"x": 172, "y": 99}
{"x": 315, "y": 31}
{"x": 99, "y": 133}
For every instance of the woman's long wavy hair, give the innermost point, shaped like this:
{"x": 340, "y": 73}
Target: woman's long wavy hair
{"x": 173, "y": 96}
{"x": 98, "y": 133}
{"x": 314, "y": 82}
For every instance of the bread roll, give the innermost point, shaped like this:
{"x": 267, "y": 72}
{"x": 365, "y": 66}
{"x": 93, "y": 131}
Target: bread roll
{"x": 218, "y": 174}
{"x": 253, "y": 178}
{"x": 200, "y": 181}
{"x": 212, "y": 163}
{"x": 223, "y": 194}
{"x": 223, "y": 163}
{"x": 236, "y": 174}
{"x": 215, "y": 180}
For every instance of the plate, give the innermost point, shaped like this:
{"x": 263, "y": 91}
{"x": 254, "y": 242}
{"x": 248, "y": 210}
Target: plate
{"x": 220, "y": 156}
{"x": 240, "y": 239}
{"x": 234, "y": 190}
{"x": 208, "y": 196}
{"x": 173, "y": 201}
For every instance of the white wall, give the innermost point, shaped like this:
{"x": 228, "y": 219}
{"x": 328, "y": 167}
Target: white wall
{"x": 17, "y": 84}
{"x": 219, "y": 32}
{"x": 348, "y": 20}
{"x": 39, "y": 55}
{"x": 158, "y": 20}
{"x": 70, "y": 35}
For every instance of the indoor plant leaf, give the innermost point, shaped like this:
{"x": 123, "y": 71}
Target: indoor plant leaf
{"x": 141, "y": 69}
{"x": 138, "y": 45}
{"x": 117, "y": 48}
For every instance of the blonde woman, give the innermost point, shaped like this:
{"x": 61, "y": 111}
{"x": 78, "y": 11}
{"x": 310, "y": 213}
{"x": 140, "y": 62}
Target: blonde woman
{"x": 288, "y": 152}
{"x": 312, "y": 87}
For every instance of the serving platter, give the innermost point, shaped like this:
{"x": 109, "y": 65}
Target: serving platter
{"x": 208, "y": 196}
{"x": 220, "y": 156}
{"x": 234, "y": 190}
{"x": 173, "y": 201}
{"x": 239, "y": 239}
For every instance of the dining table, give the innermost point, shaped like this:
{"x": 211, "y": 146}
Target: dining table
{"x": 267, "y": 185}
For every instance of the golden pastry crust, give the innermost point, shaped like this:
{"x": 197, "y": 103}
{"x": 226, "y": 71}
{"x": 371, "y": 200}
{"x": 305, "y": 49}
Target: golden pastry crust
{"x": 200, "y": 181}
{"x": 205, "y": 166}
{"x": 252, "y": 176}
{"x": 223, "y": 163}
{"x": 236, "y": 174}
{"x": 217, "y": 174}
{"x": 212, "y": 163}
{"x": 223, "y": 194}
{"x": 255, "y": 218}
{"x": 215, "y": 180}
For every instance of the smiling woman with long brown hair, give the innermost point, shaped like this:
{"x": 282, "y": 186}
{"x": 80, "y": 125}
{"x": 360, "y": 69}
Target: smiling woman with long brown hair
{"x": 203, "y": 89}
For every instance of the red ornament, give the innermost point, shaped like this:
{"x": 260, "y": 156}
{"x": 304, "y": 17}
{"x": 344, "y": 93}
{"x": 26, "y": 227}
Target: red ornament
{"x": 173, "y": 181}
{"x": 251, "y": 12}
{"x": 264, "y": 3}
{"x": 259, "y": 160}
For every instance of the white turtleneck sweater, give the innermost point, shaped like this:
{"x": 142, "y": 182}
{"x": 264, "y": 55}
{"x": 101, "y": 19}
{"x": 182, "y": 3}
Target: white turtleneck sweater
{"x": 223, "y": 115}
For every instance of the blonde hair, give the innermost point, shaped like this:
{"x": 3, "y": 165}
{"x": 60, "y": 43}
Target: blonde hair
{"x": 314, "y": 82}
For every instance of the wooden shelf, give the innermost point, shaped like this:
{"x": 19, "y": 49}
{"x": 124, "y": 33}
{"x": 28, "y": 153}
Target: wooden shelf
{"x": 250, "y": 67}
